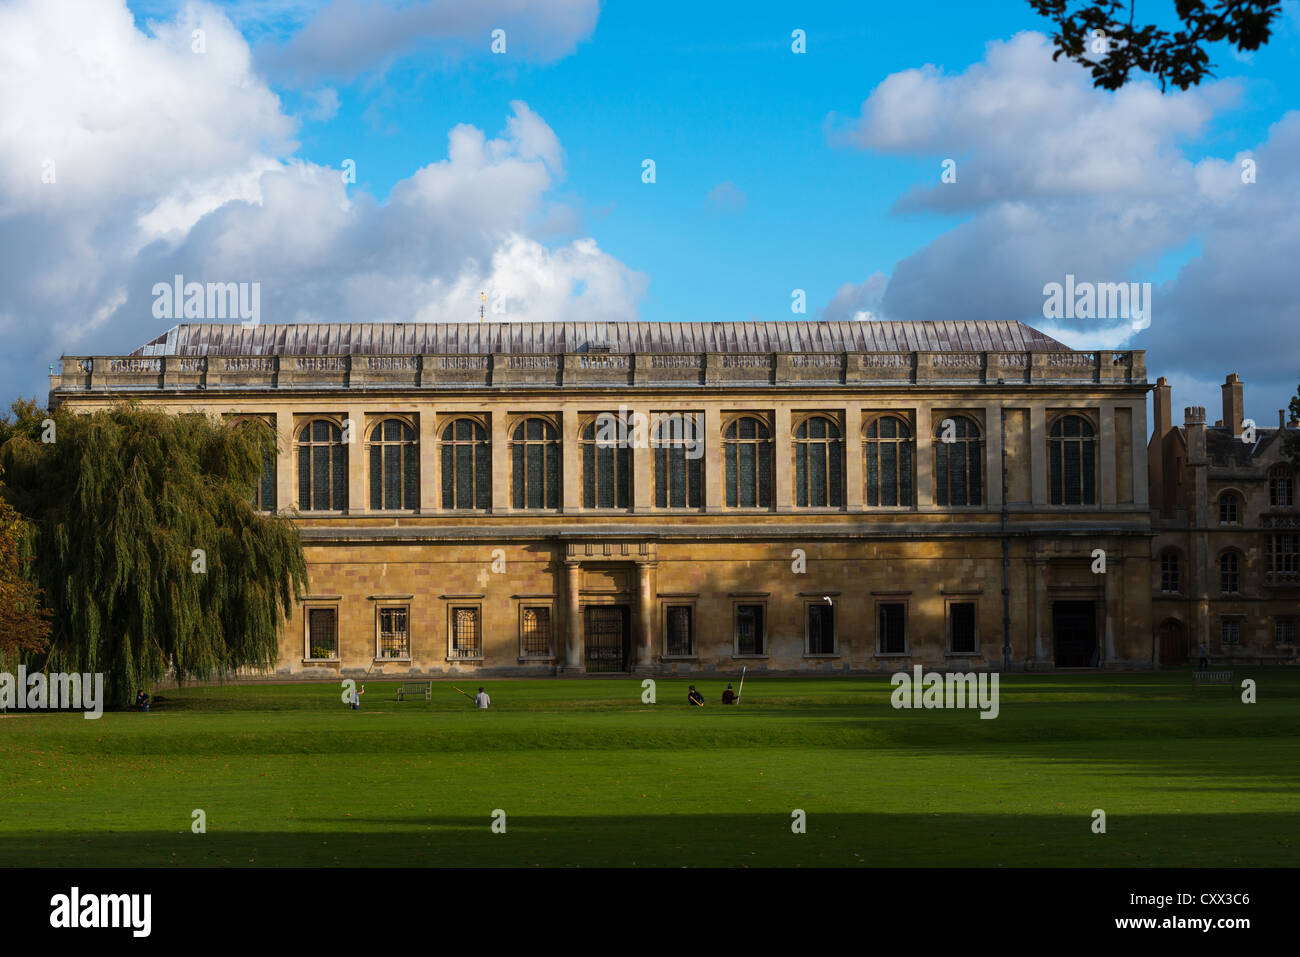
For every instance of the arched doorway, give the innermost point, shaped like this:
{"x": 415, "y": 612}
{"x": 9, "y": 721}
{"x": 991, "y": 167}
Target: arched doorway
{"x": 1171, "y": 639}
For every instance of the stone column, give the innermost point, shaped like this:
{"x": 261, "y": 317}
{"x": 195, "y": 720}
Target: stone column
{"x": 853, "y": 459}
{"x": 993, "y": 456}
{"x": 646, "y": 576}
{"x": 643, "y": 479}
{"x": 430, "y": 473}
{"x": 570, "y": 462}
{"x": 500, "y": 462}
{"x": 286, "y": 463}
{"x": 1106, "y": 453}
{"x": 924, "y": 456}
{"x": 1140, "y": 454}
{"x": 573, "y": 618}
{"x": 1038, "y": 455}
{"x": 1041, "y": 611}
{"x": 358, "y": 463}
{"x": 782, "y": 462}
{"x": 715, "y": 487}
{"x": 1112, "y": 605}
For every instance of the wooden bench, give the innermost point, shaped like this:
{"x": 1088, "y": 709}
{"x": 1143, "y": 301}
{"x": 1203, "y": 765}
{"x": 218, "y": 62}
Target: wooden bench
{"x": 1212, "y": 678}
{"x": 422, "y": 688}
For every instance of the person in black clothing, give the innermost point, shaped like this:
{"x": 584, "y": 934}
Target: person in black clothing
{"x": 695, "y": 698}
{"x": 728, "y": 696}
{"x": 142, "y": 701}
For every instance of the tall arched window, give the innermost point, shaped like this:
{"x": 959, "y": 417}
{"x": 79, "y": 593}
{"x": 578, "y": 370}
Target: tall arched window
{"x": 1072, "y": 461}
{"x": 322, "y": 467}
{"x": 889, "y": 456}
{"x": 466, "y": 465}
{"x": 264, "y": 490}
{"x": 394, "y": 466}
{"x": 747, "y": 455}
{"x": 1228, "y": 507}
{"x": 1170, "y": 578}
{"x": 1281, "y": 488}
{"x": 535, "y": 461}
{"x": 1229, "y": 573}
{"x": 606, "y": 463}
{"x": 679, "y": 461}
{"x": 818, "y": 464}
{"x": 958, "y": 462}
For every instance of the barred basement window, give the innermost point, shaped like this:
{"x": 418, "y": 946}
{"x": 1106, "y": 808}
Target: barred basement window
{"x": 680, "y": 637}
{"x": 606, "y": 465}
{"x": 961, "y": 622}
{"x": 1281, "y": 489}
{"x": 535, "y": 455}
{"x": 821, "y": 629}
{"x": 1284, "y": 631}
{"x": 1227, "y": 509}
{"x": 535, "y": 632}
{"x": 466, "y": 466}
{"x": 322, "y": 633}
{"x": 1230, "y": 633}
{"x": 818, "y": 464}
{"x": 1169, "y": 572}
{"x": 322, "y": 468}
{"x": 749, "y": 630}
{"x": 1283, "y": 555}
{"x": 465, "y": 638}
{"x": 1072, "y": 461}
{"x": 394, "y": 632}
{"x": 892, "y": 627}
{"x": 889, "y": 452}
{"x": 959, "y": 464}
{"x": 679, "y": 461}
{"x": 1229, "y": 574}
{"x": 394, "y": 467}
{"x": 747, "y": 452}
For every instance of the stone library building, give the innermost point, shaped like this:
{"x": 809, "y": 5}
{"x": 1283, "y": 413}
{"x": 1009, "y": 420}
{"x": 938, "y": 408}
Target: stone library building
{"x": 515, "y": 498}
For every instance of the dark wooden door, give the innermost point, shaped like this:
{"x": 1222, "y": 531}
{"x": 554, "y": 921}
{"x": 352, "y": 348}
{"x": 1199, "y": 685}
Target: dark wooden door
{"x": 1074, "y": 625}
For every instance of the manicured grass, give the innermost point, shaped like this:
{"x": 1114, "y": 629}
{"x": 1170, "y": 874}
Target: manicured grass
{"x": 589, "y": 775}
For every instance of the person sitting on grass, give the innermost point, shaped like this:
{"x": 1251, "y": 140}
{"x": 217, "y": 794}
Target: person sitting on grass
{"x": 728, "y": 696}
{"x": 695, "y": 698}
{"x": 142, "y": 701}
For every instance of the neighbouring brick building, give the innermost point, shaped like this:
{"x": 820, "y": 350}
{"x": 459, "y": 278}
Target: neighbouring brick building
{"x": 529, "y": 498}
{"x": 1226, "y": 551}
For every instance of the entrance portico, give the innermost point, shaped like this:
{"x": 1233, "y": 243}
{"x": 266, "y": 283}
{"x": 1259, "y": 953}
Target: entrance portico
{"x": 609, "y": 575}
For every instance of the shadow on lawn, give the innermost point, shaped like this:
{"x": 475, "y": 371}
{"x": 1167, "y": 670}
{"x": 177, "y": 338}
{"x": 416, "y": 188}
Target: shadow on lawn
{"x": 832, "y": 840}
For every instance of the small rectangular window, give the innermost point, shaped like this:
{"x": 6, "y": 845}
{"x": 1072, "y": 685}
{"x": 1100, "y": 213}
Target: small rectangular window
{"x": 961, "y": 622}
{"x": 680, "y": 633}
{"x": 535, "y": 632}
{"x": 893, "y": 628}
{"x": 1231, "y": 633}
{"x": 394, "y": 632}
{"x": 465, "y": 635}
{"x": 821, "y": 629}
{"x": 749, "y": 630}
{"x": 322, "y": 633}
{"x": 1284, "y": 631}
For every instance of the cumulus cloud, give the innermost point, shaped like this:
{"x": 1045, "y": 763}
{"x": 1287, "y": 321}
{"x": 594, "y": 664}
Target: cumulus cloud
{"x": 170, "y": 162}
{"x": 1054, "y": 177}
{"x": 351, "y": 37}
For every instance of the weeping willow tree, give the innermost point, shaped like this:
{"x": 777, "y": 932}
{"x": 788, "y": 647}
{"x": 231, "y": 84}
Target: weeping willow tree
{"x": 152, "y": 557}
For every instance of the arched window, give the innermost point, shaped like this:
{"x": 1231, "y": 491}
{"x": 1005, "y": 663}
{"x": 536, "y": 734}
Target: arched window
{"x": 1072, "y": 461}
{"x": 1281, "y": 489}
{"x": 958, "y": 462}
{"x": 322, "y": 467}
{"x": 264, "y": 490}
{"x": 1229, "y": 573}
{"x": 394, "y": 466}
{"x": 889, "y": 456}
{"x": 606, "y": 463}
{"x": 747, "y": 454}
{"x": 1170, "y": 580}
{"x": 679, "y": 461}
{"x": 535, "y": 460}
{"x": 1228, "y": 508}
{"x": 466, "y": 465}
{"x": 818, "y": 464}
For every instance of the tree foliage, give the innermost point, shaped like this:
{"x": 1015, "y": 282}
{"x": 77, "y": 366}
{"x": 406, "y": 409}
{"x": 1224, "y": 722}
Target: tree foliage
{"x": 1291, "y": 444}
{"x": 120, "y": 501}
{"x": 1101, "y": 35}
{"x": 24, "y": 623}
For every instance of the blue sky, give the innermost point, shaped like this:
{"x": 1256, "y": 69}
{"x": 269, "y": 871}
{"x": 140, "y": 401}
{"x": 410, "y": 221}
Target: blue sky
{"x": 770, "y": 176}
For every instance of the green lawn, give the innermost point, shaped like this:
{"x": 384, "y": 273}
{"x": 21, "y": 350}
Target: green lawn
{"x": 588, "y": 775}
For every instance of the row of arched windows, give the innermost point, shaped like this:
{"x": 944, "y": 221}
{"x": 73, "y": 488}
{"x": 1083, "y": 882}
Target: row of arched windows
{"x": 1282, "y": 554}
{"x": 889, "y": 457}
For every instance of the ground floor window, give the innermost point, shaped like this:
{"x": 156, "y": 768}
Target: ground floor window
{"x": 394, "y": 632}
{"x": 535, "y": 632}
{"x": 961, "y": 627}
{"x": 1230, "y": 632}
{"x": 750, "y": 638}
{"x": 466, "y": 638}
{"x": 1284, "y": 631}
{"x": 821, "y": 629}
{"x": 322, "y": 633}
{"x": 892, "y": 617}
{"x": 680, "y": 635}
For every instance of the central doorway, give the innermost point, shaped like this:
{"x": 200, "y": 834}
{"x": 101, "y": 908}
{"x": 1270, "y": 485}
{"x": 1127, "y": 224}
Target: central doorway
{"x": 1074, "y": 625}
{"x": 607, "y": 638}
{"x": 1172, "y": 637}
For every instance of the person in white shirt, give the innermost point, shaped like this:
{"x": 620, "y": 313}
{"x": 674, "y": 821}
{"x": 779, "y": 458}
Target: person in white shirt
{"x": 481, "y": 700}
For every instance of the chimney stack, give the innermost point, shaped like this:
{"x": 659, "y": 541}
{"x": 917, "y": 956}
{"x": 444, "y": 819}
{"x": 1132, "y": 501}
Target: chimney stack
{"x": 1233, "y": 404}
{"x": 1162, "y": 407}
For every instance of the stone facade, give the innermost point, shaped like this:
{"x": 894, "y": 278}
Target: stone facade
{"x": 712, "y": 585}
{"x": 1226, "y": 551}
